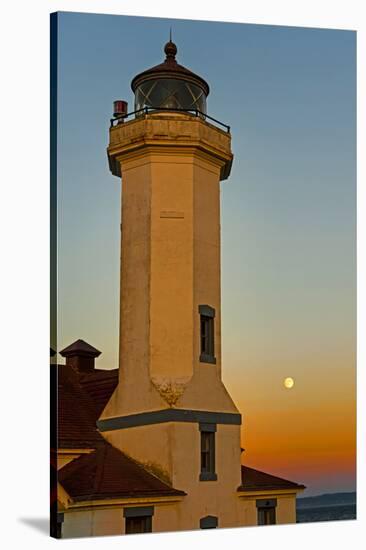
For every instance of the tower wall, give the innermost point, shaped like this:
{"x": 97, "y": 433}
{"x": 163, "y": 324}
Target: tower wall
{"x": 172, "y": 267}
{"x": 206, "y": 252}
{"x": 171, "y": 451}
{"x": 171, "y": 166}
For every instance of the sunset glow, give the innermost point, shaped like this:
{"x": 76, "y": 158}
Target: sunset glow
{"x": 288, "y": 254}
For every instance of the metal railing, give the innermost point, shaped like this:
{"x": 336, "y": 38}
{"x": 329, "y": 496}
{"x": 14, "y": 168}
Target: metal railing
{"x": 146, "y": 110}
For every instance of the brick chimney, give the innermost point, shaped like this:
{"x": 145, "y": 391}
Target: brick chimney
{"x": 80, "y": 355}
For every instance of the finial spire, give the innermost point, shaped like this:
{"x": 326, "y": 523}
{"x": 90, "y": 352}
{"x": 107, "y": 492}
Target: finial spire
{"x": 170, "y": 48}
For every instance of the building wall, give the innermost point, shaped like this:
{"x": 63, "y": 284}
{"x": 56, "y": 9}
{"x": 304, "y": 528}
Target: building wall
{"x": 232, "y": 511}
{"x": 171, "y": 268}
{"x": 285, "y": 509}
{"x": 172, "y": 452}
{"x": 63, "y": 460}
{"x": 170, "y": 264}
{"x": 206, "y": 252}
{"x": 64, "y": 456}
{"x": 91, "y": 523}
{"x": 170, "y": 260}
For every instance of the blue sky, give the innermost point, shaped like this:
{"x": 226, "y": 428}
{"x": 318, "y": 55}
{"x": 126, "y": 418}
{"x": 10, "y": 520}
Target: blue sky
{"x": 288, "y": 209}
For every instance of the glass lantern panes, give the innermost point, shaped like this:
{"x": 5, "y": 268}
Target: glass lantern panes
{"x": 170, "y": 93}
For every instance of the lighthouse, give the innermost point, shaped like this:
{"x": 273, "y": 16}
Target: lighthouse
{"x": 154, "y": 445}
{"x": 170, "y": 409}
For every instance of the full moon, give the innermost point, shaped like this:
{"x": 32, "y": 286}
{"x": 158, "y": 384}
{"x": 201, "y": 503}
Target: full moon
{"x": 288, "y": 383}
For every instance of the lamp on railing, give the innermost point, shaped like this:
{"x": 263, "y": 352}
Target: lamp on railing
{"x": 120, "y": 109}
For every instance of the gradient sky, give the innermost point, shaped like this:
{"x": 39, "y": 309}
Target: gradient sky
{"x": 288, "y": 220}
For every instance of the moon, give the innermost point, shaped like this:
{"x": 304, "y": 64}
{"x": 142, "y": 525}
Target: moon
{"x": 288, "y": 383}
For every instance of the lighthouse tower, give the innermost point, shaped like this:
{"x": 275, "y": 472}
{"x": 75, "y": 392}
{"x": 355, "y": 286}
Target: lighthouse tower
{"x": 170, "y": 409}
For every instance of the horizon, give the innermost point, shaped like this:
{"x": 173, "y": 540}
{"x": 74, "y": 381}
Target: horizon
{"x": 288, "y": 221}
{"x": 330, "y": 494}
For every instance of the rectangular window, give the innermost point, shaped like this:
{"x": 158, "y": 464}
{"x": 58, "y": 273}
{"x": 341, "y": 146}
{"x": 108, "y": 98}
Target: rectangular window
{"x": 266, "y": 516}
{"x": 138, "y": 519}
{"x": 207, "y": 347}
{"x": 266, "y": 511}
{"x": 140, "y": 524}
{"x": 208, "y": 452}
{"x": 207, "y": 334}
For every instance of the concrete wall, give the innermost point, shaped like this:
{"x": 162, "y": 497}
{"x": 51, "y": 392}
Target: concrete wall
{"x": 64, "y": 456}
{"x": 172, "y": 452}
{"x": 91, "y": 523}
{"x": 171, "y": 268}
{"x": 285, "y": 509}
{"x": 170, "y": 261}
{"x": 170, "y": 264}
{"x": 177, "y": 516}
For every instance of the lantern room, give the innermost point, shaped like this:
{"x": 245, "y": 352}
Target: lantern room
{"x": 170, "y": 86}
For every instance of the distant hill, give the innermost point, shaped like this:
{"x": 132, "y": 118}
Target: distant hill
{"x": 331, "y": 499}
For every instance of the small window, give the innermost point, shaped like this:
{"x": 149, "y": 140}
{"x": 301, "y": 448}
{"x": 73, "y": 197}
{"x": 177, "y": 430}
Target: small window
{"x": 266, "y": 511}
{"x": 207, "y": 334}
{"x": 208, "y": 522}
{"x": 138, "y": 519}
{"x": 138, "y": 525}
{"x": 208, "y": 452}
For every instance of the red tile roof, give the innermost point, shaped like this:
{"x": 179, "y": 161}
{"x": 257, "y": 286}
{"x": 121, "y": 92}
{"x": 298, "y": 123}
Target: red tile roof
{"x": 76, "y": 414}
{"x": 255, "y": 480}
{"x": 108, "y": 473}
{"x": 99, "y": 384}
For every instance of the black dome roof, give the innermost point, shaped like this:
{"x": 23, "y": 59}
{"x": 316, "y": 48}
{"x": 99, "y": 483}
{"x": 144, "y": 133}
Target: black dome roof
{"x": 170, "y": 69}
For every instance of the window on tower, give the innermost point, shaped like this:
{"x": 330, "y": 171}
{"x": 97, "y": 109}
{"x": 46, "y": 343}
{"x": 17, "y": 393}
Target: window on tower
{"x": 208, "y": 432}
{"x": 207, "y": 334}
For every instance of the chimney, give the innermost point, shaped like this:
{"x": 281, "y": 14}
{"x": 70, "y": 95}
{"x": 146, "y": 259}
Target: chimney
{"x": 80, "y": 355}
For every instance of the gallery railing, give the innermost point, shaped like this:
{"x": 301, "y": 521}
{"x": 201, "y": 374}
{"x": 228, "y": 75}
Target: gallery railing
{"x": 146, "y": 110}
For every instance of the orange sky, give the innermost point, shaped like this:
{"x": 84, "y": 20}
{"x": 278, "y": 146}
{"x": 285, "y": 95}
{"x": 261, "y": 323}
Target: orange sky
{"x": 307, "y": 433}
{"x": 288, "y": 223}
